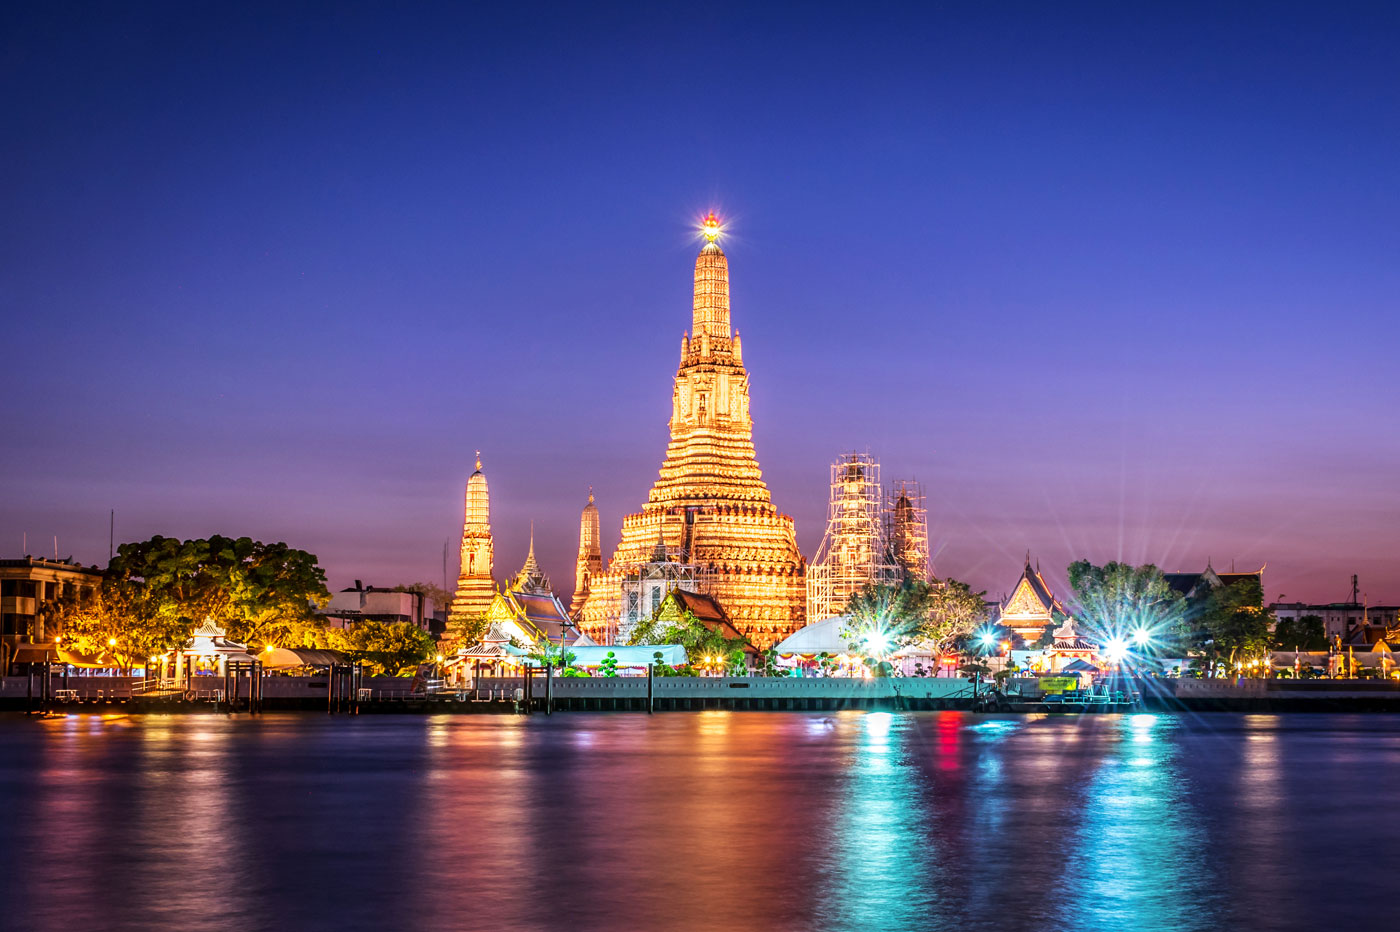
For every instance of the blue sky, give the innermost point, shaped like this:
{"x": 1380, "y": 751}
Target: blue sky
{"x": 1113, "y": 280}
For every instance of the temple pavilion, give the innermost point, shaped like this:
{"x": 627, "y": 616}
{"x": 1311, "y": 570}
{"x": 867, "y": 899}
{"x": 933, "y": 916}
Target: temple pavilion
{"x": 1031, "y": 606}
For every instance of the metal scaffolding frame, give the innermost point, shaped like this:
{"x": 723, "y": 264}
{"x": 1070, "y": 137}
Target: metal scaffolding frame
{"x": 906, "y": 529}
{"x": 854, "y": 551}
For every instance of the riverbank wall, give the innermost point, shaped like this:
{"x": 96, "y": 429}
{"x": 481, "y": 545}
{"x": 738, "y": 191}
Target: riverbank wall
{"x": 666, "y": 694}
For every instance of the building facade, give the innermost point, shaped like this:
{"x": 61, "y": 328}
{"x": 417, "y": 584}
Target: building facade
{"x": 1341, "y": 619}
{"x": 475, "y": 587}
{"x": 371, "y": 603}
{"x": 709, "y": 505}
{"x": 27, "y": 585}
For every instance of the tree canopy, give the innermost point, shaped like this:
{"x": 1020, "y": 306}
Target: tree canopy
{"x": 393, "y": 647}
{"x": 1233, "y": 623}
{"x": 1305, "y": 633}
{"x": 258, "y": 593}
{"x": 1117, "y": 600}
{"x": 884, "y": 618}
{"x": 698, "y": 639}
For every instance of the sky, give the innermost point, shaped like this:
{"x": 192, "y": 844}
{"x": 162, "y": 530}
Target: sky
{"x": 1114, "y": 281}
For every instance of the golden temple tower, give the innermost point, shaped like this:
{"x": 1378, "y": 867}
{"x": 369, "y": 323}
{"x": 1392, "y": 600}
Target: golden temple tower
{"x": 475, "y": 588}
{"x": 709, "y": 505}
{"x": 590, "y": 555}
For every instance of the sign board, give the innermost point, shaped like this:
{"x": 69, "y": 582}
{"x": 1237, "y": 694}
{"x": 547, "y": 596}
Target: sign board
{"x": 1058, "y": 684}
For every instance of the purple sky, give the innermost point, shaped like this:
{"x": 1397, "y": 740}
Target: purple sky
{"x": 1113, "y": 283}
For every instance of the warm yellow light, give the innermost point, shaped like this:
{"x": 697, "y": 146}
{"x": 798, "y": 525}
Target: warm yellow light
{"x": 111, "y": 642}
{"x": 58, "y": 639}
{"x": 710, "y": 227}
{"x": 269, "y": 648}
{"x": 439, "y": 656}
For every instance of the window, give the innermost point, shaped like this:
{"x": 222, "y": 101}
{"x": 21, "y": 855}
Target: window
{"x": 655, "y": 599}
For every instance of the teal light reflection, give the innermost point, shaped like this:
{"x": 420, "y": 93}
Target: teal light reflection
{"x": 882, "y": 857}
{"x": 1135, "y": 851}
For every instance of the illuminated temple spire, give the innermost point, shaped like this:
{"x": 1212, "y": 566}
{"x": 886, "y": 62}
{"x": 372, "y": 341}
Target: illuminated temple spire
{"x": 710, "y": 309}
{"x": 590, "y": 554}
{"x": 710, "y": 506}
{"x": 475, "y": 588}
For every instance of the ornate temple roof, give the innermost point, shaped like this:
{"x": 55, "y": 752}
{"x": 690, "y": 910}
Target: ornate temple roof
{"x": 1031, "y": 596}
{"x": 1190, "y": 583}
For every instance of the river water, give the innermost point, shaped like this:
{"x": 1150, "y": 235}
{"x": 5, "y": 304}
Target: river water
{"x": 726, "y": 820}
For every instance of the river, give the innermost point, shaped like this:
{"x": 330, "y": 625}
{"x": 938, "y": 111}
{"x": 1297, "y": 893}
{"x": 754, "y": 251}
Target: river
{"x": 707, "y": 820}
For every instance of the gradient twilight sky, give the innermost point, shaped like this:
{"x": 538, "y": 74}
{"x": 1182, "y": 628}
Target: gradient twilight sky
{"x": 1115, "y": 280}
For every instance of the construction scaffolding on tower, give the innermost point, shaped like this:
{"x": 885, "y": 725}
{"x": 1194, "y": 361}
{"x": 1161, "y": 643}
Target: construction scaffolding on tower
{"x": 906, "y": 516}
{"x": 855, "y": 550}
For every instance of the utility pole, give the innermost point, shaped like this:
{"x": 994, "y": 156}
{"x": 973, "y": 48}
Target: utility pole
{"x": 111, "y": 534}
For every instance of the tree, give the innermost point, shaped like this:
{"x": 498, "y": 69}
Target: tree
{"x": 698, "y": 639}
{"x": 1117, "y": 600}
{"x": 258, "y": 593}
{"x": 467, "y": 629}
{"x": 883, "y": 618}
{"x": 954, "y": 612}
{"x": 1235, "y": 622}
{"x": 125, "y": 622}
{"x": 393, "y": 648}
{"x": 1305, "y": 633}
{"x": 552, "y": 655}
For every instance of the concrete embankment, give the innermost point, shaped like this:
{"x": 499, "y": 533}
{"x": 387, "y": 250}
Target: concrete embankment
{"x": 1245, "y": 695}
{"x": 664, "y": 694}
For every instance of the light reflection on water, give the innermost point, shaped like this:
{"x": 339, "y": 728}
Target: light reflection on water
{"x": 842, "y": 820}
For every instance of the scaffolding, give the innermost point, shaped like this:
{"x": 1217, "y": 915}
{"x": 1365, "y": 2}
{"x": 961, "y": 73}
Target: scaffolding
{"x": 854, "y": 552}
{"x": 906, "y": 515}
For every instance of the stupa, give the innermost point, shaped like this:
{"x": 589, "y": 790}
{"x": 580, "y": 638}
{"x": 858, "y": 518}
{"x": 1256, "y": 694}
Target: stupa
{"x": 709, "y": 506}
{"x": 475, "y": 588}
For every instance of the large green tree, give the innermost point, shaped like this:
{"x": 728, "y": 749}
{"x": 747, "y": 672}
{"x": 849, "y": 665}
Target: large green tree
{"x": 940, "y": 613}
{"x": 1234, "y": 626}
{"x": 123, "y": 621}
{"x": 1119, "y": 600}
{"x": 954, "y": 612}
{"x": 393, "y": 648}
{"x": 258, "y": 593}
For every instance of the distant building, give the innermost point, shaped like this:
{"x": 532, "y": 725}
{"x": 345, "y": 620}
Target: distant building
{"x": 25, "y": 585}
{"x": 370, "y": 603}
{"x": 1341, "y": 619}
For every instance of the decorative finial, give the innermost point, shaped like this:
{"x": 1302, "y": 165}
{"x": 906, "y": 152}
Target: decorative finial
{"x": 590, "y": 495}
{"x": 478, "y": 460}
{"x": 710, "y": 227}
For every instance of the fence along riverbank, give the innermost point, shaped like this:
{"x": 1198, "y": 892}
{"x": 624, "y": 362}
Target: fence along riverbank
{"x": 352, "y": 691}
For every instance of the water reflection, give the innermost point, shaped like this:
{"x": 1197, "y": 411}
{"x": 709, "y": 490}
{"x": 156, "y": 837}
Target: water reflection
{"x": 717, "y": 820}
